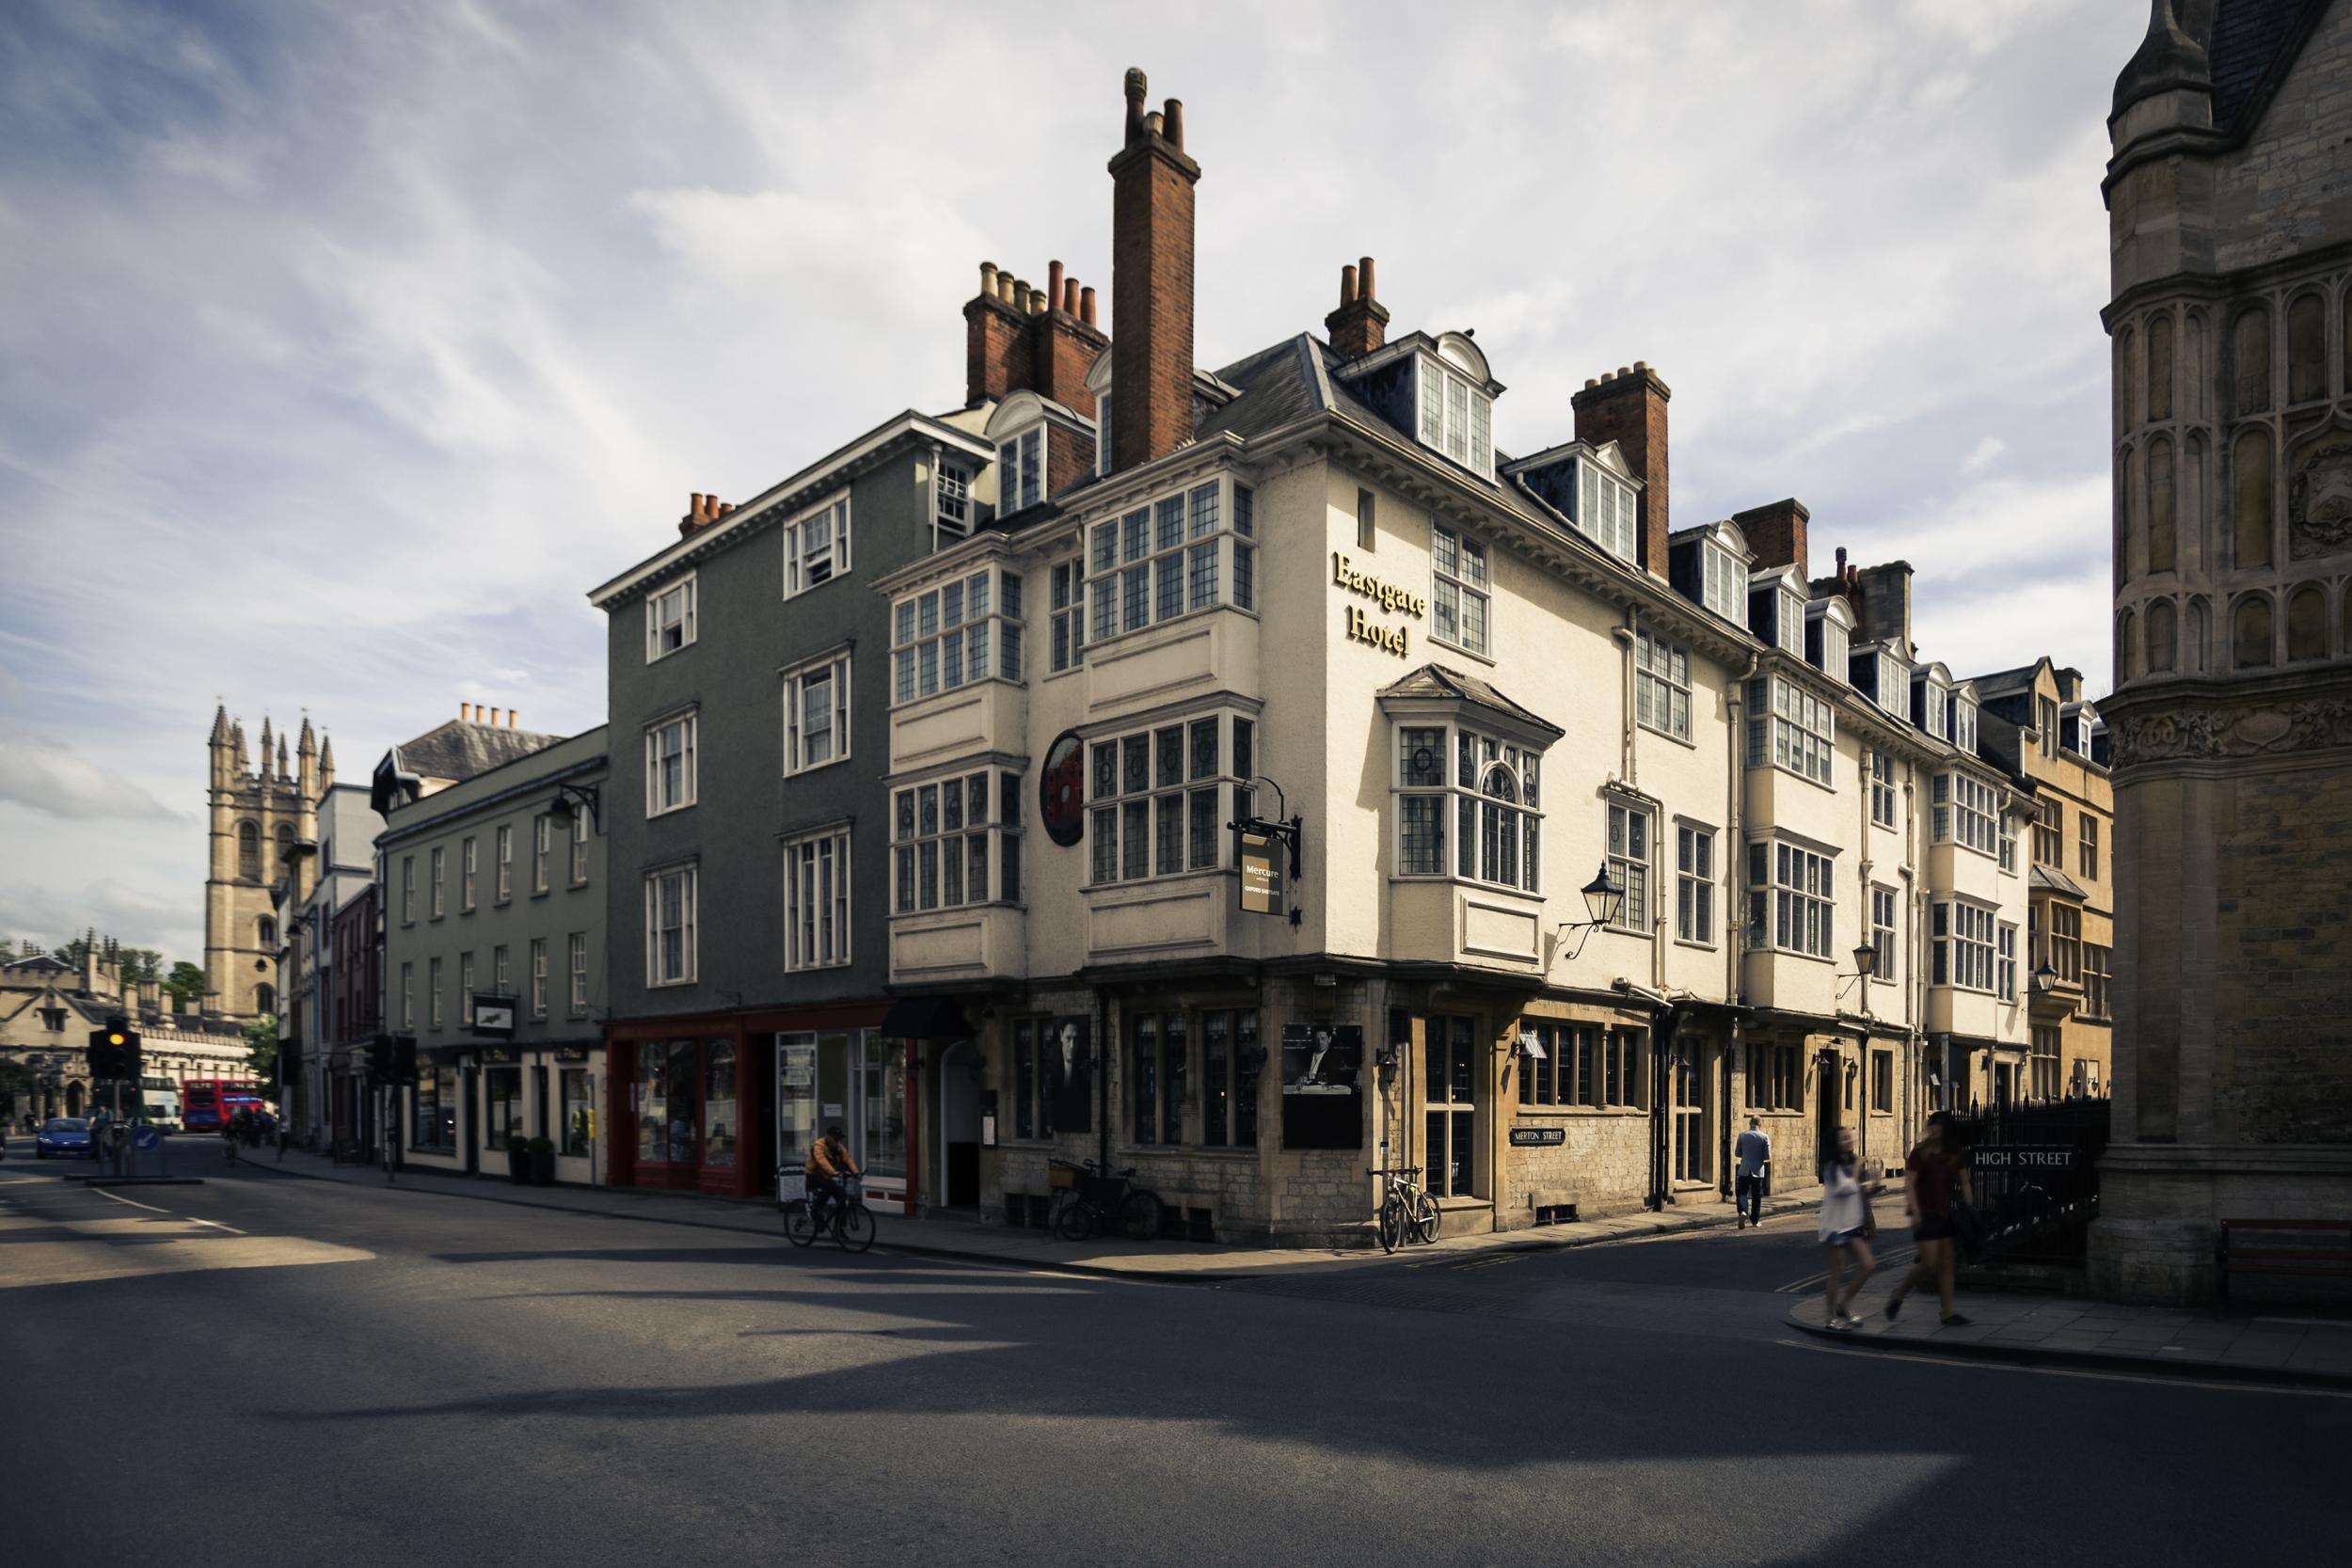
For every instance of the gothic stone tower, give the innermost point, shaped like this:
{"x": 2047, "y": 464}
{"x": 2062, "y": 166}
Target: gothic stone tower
{"x": 265, "y": 828}
{"x": 2230, "y": 203}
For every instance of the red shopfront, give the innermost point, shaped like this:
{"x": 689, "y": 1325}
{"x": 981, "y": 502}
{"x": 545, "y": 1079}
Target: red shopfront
{"x": 711, "y": 1103}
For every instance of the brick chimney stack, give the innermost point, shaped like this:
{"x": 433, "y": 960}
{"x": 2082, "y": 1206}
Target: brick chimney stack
{"x": 1065, "y": 344}
{"x": 1629, "y": 407}
{"x": 1151, "y": 283}
{"x": 1018, "y": 339}
{"x": 1776, "y": 534}
{"x": 1360, "y": 325}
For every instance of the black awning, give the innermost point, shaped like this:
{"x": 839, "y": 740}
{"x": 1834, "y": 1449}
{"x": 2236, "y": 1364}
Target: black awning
{"x": 926, "y": 1018}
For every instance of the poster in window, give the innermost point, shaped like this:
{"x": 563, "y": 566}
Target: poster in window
{"x": 1322, "y": 1058}
{"x": 1322, "y": 1064}
{"x": 1070, "y": 1074}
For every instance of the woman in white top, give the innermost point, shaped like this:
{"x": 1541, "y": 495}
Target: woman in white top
{"x": 1845, "y": 1224}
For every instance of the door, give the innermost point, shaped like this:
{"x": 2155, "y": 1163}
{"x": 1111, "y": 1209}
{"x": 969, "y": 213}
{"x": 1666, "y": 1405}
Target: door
{"x": 1690, "y": 1114}
{"x": 1450, "y": 1081}
{"x": 1828, "y": 1092}
{"x": 958, "y": 1183}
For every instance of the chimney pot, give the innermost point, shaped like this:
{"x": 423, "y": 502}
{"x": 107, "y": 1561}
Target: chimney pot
{"x": 1153, "y": 260}
{"x": 1172, "y": 121}
{"x": 1152, "y": 123}
{"x": 1136, "y": 87}
{"x": 1841, "y": 560}
{"x": 1347, "y": 284}
{"x": 1622, "y": 369}
{"x": 1070, "y": 296}
{"x": 988, "y": 278}
{"x": 1591, "y": 382}
{"x": 1641, "y": 364}
{"x": 1004, "y": 287}
{"x": 1363, "y": 278}
{"x": 1085, "y": 306}
{"x": 1053, "y": 284}
{"x": 510, "y": 717}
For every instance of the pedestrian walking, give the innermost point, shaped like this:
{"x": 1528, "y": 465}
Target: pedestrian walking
{"x": 1934, "y": 1179}
{"x": 1754, "y": 1153}
{"x": 1847, "y": 1226}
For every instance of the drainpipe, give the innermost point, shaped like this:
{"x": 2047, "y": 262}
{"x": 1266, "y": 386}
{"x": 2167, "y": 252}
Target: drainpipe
{"x": 1862, "y": 1056}
{"x": 1914, "y": 906}
{"x": 1626, "y": 766}
{"x": 1736, "y": 909}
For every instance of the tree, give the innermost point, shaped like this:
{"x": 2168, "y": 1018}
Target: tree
{"x": 186, "y": 985}
{"x": 8, "y": 950}
{"x": 18, "y": 1083}
{"x": 261, "y": 1049}
{"x": 141, "y": 965}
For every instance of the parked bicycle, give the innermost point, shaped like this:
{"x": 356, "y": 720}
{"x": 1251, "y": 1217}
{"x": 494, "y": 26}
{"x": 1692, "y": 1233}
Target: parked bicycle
{"x": 1097, "y": 1201}
{"x": 849, "y": 1221}
{"x": 1407, "y": 1213}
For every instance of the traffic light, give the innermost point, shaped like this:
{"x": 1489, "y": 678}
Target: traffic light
{"x": 114, "y": 1051}
{"x": 403, "y": 1059}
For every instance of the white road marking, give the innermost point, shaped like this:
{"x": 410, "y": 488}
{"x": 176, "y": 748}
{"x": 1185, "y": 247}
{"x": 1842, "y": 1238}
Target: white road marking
{"x": 1991, "y": 1366}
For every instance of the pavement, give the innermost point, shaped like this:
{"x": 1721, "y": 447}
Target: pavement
{"x": 385, "y": 1376}
{"x": 953, "y": 1237}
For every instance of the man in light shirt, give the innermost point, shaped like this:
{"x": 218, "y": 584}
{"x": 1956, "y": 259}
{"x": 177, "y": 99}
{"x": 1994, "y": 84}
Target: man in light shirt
{"x": 1754, "y": 1153}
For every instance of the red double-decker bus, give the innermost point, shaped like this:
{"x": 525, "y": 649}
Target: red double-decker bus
{"x": 207, "y": 1104}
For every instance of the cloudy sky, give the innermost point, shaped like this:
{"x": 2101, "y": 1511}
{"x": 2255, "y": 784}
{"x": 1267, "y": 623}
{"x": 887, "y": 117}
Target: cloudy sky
{"x": 346, "y": 346}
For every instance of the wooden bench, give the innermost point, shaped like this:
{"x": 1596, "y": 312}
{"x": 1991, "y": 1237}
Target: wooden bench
{"x": 2321, "y": 1249}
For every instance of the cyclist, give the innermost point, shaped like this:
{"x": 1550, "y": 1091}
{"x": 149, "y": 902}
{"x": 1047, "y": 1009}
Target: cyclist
{"x": 828, "y": 1161}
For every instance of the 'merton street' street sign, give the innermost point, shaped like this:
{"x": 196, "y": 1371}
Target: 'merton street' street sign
{"x": 1537, "y": 1137}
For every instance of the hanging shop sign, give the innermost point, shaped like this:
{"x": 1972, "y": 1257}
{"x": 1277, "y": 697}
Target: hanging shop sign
{"x": 494, "y": 1017}
{"x": 1062, "y": 789}
{"x": 1391, "y": 598}
{"x": 1261, "y": 873}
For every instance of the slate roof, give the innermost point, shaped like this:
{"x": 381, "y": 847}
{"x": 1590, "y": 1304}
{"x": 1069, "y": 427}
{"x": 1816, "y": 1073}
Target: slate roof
{"x": 1436, "y": 680}
{"x": 460, "y": 749}
{"x": 2050, "y": 877}
{"x": 2248, "y": 41}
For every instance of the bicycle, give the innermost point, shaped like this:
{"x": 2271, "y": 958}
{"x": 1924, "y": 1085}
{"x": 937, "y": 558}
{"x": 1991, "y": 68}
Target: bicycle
{"x": 850, "y": 1222}
{"x": 1097, "y": 1201}
{"x": 1407, "y": 1213}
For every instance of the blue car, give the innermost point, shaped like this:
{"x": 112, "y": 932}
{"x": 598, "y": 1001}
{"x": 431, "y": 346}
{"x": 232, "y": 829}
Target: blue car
{"x": 67, "y": 1136}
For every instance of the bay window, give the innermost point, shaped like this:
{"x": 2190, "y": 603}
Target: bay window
{"x": 948, "y": 846}
{"x": 1190, "y": 550}
{"x": 1790, "y": 728}
{"x": 1960, "y": 946}
{"x": 1963, "y": 813}
{"x": 1068, "y": 609}
{"x": 1491, "y": 798}
{"x": 956, "y": 633}
{"x": 1158, "y": 797}
{"x": 1791, "y": 898}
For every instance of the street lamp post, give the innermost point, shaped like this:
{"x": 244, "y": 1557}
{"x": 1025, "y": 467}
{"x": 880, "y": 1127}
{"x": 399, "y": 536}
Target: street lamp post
{"x": 1605, "y": 898}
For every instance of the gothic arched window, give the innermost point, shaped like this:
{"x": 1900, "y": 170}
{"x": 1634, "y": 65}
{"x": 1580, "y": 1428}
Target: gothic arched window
{"x": 2123, "y": 381}
{"x": 264, "y": 999}
{"x": 267, "y": 932}
{"x": 2160, "y": 531}
{"x": 2249, "y": 632}
{"x": 2251, "y": 459}
{"x": 2307, "y": 623}
{"x": 285, "y": 849}
{"x": 2306, "y": 350}
{"x": 2126, "y": 646}
{"x": 248, "y": 851}
{"x": 2199, "y": 636}
{"x": 2249, "y": 361}
{"x": 2160, "y": 368}
{"x": 2162, "y": 637}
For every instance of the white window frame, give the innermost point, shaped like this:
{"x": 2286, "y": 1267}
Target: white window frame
{"x": 1143, "y": 820}
{"x": 1606, "y": 510}
{"x": 1792, "y": 898}
{"x": 1965, "y": 724}
{"x": 538, "y": 976}
{"x": 1885, "y": 909}
{"x": 1020, "y": 469}
{"x": 1836, "y": 655}
{"x": 660, "y": 798}
{"x": 817, "y": 884}
{"x": 409, "y": 997}
{"x": 1461, "y": 428}
{"x": 1882, "y": 788}
{"x": 670, "y": 619}
{"x": 1966, "y": 810}
{"x": 1461, "y": 571}
{"x": 577, "y": 958}
{"x": 2005, "y": 962}
{"x": 1791, "y": 729}
{"x": 540, "y": 835}
{"x": 1694, "y": 884}
{"x": 1102, "y": 433}
{"x": 408, "y": 889}
{"x": 658, "y": 974}
{"x": 505, "y": 880}
{"x": 502, "y": 970}
{"x": 1789, "y": 628}
{"x": 1937, "y": 709}
{"x": 1479, "y": 792}
{"x": 953, "y": 836}
{"x": 438, "y": 904}
{"x": 432, "y": 992}
{"x": 954, "y": 634}
{"x": 1661, "y": 686}
{"x": 579, "y": 848}
{"x": 1067, "y": 607}
{"x": 465, "y": 987}
{"x": 468, "y": 873}
{"x": 1174, "y": 555}
{"x": 1961, "y": 938}
{"x": 953, "y": 503}
{"x": 802, "y": 561}
{"x": 834, "y": 668}
{"x": 1632, "y": 864}
{"x": 1723, "y": 582}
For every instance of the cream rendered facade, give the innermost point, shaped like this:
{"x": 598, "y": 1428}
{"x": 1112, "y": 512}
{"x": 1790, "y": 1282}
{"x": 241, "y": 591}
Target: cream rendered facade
{"x": 1644, "y": 1033}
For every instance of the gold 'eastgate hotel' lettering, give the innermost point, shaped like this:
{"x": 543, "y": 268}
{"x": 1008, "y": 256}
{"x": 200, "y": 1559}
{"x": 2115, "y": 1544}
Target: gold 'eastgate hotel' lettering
{"x": 1362, "y": 630}
{"x": 1391, "y": 597}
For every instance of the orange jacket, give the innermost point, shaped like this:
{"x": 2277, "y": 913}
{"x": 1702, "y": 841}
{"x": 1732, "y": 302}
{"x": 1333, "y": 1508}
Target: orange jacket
{"x": 821, "y": 1158}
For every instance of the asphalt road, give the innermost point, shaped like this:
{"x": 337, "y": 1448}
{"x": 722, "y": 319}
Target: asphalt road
{"x": 271, "y": 1371}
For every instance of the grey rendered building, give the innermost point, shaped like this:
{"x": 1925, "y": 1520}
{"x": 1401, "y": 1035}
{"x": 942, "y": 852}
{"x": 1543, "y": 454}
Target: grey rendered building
{"x": 749, "y": 702}
{"x": 311, "y": 1032}
{"x": 492, "y": 876}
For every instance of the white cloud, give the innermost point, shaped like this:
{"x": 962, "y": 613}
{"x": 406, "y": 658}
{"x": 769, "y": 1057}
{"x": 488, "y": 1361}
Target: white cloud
{"x": 51, "y": 779}
{"x": 1981, "y": 457}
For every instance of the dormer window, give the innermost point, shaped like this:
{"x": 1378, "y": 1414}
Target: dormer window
{"x": 1020, "y": 470}
{"x": 1789, "y": 622}
{"x": 1933, "y": 707}
{"x": 1103, "y": 435}
{"x": 1604, "y": 511}
{"x": 1722, "y": 580}
{"x": 1456, "y": 404}
{"x": 1965, "y": 722}
{"x": 1826, "y": 634}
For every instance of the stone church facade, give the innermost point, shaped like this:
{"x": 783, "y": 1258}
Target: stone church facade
{"x": 263, "y": 825}
{"x": 2229, "y": 200}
